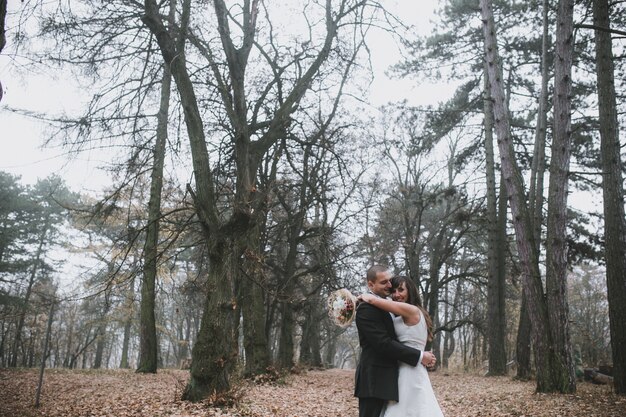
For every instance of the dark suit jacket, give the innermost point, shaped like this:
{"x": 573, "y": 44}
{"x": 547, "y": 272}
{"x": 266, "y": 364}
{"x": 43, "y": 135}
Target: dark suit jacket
{"x": 377, "y": 371}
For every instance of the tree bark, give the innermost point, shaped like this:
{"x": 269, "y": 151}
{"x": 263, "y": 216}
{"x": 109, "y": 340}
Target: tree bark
{"x": 495, "y": 291}
{"x": 546, "y": 359}
{"x": 556, "y": 239}
{"x": 214, "y": 354}
{"x": 613, "y": 194}
{"x": 537, "y": 173}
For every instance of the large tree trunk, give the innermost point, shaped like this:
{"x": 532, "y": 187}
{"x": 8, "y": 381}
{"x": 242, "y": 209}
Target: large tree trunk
{"x": 215, "y": 348}
{"x": 214, "y": 354}
{"x": 546, "y": 359}
{"x": 537, "y": 173}
{"x": 248, "y": 206}
{"x": 495, "y": 291}
{"x": 148, "y": 348}
{"x": 613, "y": 192}
{"x": 556, "y": 239}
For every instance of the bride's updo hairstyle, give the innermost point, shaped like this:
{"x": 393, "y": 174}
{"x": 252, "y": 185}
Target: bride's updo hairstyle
{"x": 413, "y": 298}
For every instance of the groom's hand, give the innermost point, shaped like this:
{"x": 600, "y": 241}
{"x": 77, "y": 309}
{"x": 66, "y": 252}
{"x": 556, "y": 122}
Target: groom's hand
{"x": 428, "y": 359}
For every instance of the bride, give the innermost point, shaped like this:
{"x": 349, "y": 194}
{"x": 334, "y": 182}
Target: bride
{"x": 413, "y": 328}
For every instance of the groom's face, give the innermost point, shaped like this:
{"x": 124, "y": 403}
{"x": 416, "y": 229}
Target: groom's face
{"x": 382, "y": 285}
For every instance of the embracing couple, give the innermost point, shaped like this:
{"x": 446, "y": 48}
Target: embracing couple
{"x": 391, "y": 377}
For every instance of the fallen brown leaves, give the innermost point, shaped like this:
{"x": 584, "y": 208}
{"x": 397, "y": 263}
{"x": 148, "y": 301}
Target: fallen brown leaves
{"x": 314, "y": 393}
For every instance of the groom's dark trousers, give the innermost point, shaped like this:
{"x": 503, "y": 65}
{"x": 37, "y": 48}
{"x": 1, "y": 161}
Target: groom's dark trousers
{"x": 376, "y": 379}
{"x": 371, "y": 407}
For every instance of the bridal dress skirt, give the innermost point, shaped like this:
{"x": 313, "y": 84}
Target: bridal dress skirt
{"x": 415, "y": 394}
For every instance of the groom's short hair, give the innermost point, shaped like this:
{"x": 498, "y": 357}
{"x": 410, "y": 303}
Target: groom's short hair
{"x": 374, "y": 271}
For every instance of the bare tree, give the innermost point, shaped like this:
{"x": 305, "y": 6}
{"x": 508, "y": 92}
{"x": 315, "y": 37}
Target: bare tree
{"x": 253, "y": 128}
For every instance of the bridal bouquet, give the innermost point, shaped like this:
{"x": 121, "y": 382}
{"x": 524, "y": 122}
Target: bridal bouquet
{"x": 342, "y": 307}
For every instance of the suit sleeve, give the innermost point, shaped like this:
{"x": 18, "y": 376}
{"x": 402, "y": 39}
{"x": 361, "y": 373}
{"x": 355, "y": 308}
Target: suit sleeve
{"x": 374, "y": 332}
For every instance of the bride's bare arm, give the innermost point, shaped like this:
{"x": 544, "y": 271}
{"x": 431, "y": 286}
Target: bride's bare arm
{"x": 406, "y": 310}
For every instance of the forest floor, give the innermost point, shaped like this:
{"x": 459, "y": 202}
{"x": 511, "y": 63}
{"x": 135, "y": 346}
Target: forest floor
{"x": 320, "y": 393}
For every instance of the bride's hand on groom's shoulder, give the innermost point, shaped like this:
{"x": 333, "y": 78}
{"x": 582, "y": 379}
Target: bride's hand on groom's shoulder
{"x": 365, "y": 297}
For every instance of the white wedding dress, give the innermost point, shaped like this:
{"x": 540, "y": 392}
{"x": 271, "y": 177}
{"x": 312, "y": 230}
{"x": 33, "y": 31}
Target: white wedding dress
{"x": 416, "y": 396}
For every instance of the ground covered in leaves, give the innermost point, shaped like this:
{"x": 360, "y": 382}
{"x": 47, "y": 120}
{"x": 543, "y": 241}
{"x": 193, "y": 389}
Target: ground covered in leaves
{"x": 319, "y": 393}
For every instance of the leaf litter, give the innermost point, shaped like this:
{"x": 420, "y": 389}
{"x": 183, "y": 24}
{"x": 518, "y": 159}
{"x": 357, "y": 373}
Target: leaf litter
{"x": 313, "y": 393}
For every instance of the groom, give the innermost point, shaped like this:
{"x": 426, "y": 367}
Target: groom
{"x": 377, "y": 371}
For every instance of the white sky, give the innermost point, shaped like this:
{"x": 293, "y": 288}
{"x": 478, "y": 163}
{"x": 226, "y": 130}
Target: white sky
{"x": 22, "y": 137}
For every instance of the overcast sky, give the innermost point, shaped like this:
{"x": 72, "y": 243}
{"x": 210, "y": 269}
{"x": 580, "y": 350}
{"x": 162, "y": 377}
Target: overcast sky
{"x": 22, "y": 137}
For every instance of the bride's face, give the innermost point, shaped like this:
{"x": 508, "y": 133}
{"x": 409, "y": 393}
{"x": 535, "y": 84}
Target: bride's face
{"x": 399, "y": 294}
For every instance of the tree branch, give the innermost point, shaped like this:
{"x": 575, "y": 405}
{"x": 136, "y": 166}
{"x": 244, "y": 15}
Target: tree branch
{"x": 600, "y": 28}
